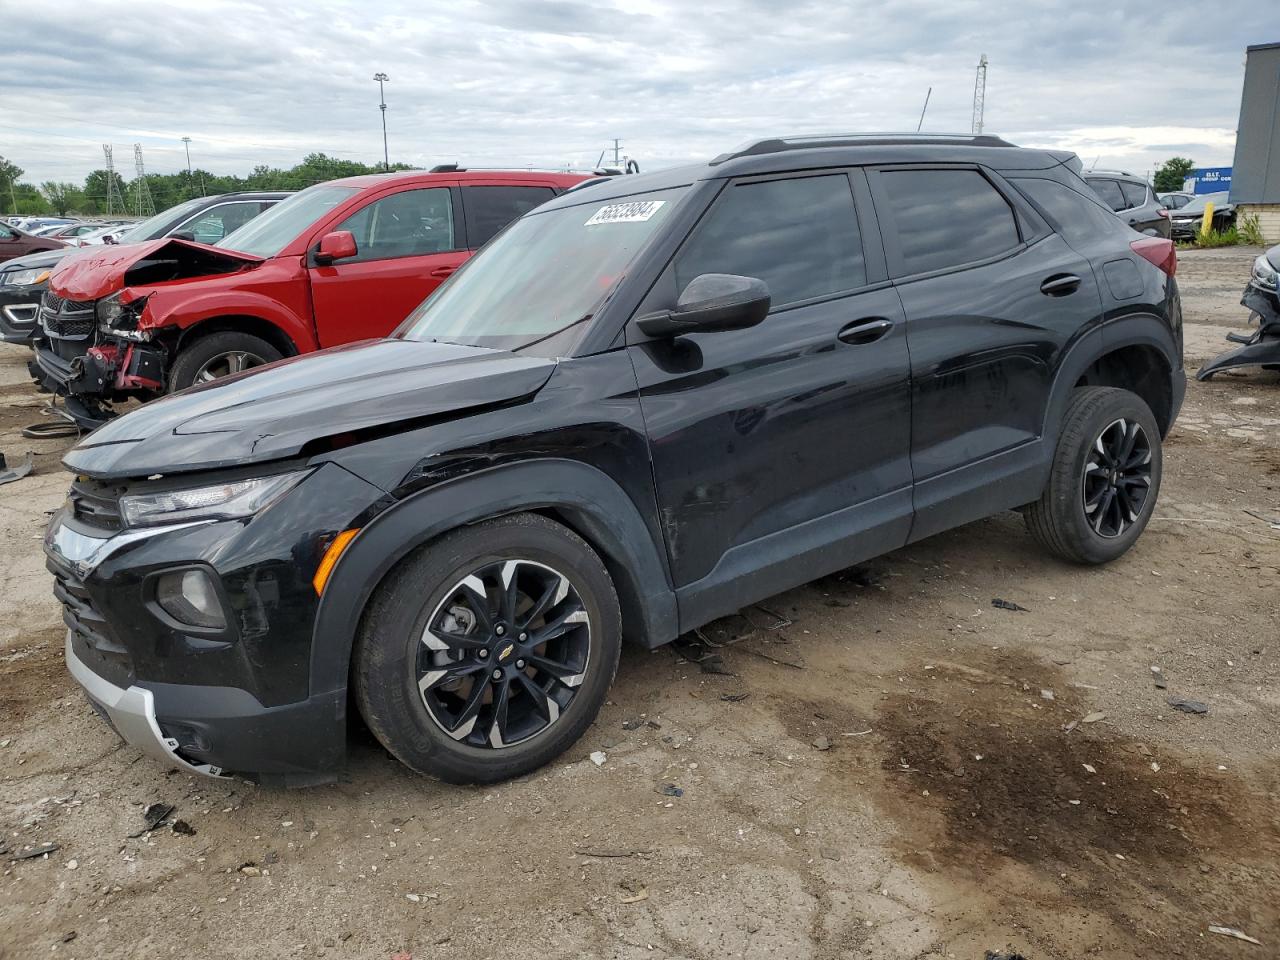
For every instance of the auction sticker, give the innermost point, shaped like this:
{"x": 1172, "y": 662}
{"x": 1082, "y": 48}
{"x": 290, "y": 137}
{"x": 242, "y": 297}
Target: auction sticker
{"x": 636, "y": 212}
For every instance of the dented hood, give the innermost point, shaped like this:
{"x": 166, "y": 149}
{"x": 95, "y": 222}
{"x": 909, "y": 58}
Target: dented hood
{"x": 102, "y": 270}
{"x": 272, "y": 412}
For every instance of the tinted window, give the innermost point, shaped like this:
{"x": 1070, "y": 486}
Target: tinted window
{"x": 1109, "y": 191}
{"x": 1135, "y": 194}
{"x": 799, "y": 236}
{"x": 489, "y": 209}
{"x": 412, "y": 222}
{"x": 1077, "y": 217}
{"x": 948, "y": 217}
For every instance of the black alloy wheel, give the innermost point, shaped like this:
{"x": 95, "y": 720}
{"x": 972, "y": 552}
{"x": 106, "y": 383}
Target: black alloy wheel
{"x": 504, "y": 654}
{"x": 1117, "y": 478}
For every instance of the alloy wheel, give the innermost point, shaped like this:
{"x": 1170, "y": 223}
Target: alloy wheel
{"x": 504, "y": 653}
{"x": 1117, "y": 478}
{"x": 225, "y": 364}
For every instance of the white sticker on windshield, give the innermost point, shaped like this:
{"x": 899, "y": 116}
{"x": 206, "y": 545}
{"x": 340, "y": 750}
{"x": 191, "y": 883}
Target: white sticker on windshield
{"x": 635, "y": 212}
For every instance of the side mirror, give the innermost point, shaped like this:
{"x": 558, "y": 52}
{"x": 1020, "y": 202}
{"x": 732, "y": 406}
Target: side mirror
{"x": 183, "y": 235}
{"x": 712, "y": 301}
{"x": 336, "y": 246}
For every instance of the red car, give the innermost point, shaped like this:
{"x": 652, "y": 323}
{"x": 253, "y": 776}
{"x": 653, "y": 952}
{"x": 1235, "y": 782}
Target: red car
{"x": 18, "y": 243}
{"x": 340, "y": 261}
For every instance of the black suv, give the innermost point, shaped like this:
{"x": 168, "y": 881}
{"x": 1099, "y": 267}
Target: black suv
{"x": 1133, "y": 200}
{"x": 24, "y": 280}
{"x": 644, "y": 405}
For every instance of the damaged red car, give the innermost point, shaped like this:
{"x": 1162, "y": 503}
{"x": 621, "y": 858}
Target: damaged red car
{"x": 337, "y": 262}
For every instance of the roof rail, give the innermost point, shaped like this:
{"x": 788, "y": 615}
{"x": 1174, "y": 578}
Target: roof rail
{"x": 783, "y": 144}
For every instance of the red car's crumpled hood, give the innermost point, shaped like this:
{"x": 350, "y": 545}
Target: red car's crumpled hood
{"x": 100, "y": 273}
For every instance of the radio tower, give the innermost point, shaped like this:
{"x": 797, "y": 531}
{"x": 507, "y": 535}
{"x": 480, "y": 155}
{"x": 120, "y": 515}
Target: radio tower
{"x": 979, "y": 94}
{"x": 141, "y": 192}
{"x": 114, "y": 199}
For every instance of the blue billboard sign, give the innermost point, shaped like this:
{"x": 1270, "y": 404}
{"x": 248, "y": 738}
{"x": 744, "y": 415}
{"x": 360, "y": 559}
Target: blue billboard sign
{"x": 1209, "y": 180}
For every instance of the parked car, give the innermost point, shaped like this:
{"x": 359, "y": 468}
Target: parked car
{"x": 1176, "y": 201}
{"x": 645, "y": 404}
{"x": 340, "y": 261}
{"x": 1133, "y": 200}
{"x": 24, "y": 281}
{"x": 16, "y": 242}
{"x": 71, "y": 233}
{"x": 1262, "y": 300}
{"x": 32, "y": 224}
{"x": 1186, "y": 221}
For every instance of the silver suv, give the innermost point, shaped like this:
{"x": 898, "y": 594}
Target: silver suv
{"x": 1133, "y": 200}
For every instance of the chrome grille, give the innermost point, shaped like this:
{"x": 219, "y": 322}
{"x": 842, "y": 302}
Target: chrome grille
{"x": 69, "y": 319}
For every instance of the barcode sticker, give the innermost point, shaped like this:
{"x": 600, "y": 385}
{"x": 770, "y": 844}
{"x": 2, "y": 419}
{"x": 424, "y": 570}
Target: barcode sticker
{"x": 635, "y": 212}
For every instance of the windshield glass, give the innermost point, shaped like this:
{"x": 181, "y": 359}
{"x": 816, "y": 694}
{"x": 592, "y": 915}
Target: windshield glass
{"x": 270, "y": 232}
{"x": 541, "y": 280}
{"x": 155, "y": 227}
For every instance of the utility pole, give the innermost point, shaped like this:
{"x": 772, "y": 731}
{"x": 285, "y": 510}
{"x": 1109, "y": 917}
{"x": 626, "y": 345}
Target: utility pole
{"x": 979, "y": 94}
{"x": 382, "y": 105}
{"x": 141, "y": 191}
{"x": 113, "y": 188}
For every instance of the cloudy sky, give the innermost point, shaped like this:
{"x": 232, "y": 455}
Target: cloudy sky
{"x": 551, "y": 82}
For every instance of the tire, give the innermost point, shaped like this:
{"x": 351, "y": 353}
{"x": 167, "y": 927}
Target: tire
{"x": 207, "y": 354}
{"x": 1097, "y": 424}
{"x": 414, "y": 685}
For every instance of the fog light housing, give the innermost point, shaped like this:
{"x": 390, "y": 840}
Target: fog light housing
{"x": 190, "y": 597}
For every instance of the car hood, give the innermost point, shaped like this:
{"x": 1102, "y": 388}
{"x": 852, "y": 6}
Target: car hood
{"x": 273, "y": 412}
{"x": 102, "y": 270}
{"x": 45, "y": 258}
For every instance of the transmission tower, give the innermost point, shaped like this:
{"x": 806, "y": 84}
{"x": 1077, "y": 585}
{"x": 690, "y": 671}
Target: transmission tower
{"x": 979, "y": 94}
{"x": 141, "y": 192}
{"x": 115, "y": 202}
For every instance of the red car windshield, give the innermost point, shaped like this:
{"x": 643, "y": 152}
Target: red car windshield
{"x": 539, "y": 283}
{"x": 270, "y": 232}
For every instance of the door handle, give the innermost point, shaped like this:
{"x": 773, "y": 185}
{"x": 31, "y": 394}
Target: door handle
{"x": 442, "y": 271}
{"x": 1060, "y": 284}
{"x": 866, "y": 330}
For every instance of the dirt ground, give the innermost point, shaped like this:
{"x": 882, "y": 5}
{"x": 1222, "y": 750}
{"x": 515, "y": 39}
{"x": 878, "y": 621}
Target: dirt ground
{"x": 890, "y": 768}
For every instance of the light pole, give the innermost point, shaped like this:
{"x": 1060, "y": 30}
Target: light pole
{"x": 382, "y": 105}
{"x": 186, "y": 145}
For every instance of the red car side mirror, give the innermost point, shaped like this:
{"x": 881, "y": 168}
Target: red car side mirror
{"x": 336, "y": 246}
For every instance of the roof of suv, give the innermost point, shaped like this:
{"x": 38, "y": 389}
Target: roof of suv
{"x": 779, "y": 154}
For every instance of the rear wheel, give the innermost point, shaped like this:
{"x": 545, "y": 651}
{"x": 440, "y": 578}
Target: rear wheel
{"x": 1104, "y": 480}
{"x": 219, "y": 355}
{"x": 488, "y": 652}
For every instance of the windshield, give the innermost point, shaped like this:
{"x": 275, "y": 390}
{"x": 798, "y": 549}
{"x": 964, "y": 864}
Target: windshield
{"x": 270, "y": 232}
{"x": 540, "y": 281}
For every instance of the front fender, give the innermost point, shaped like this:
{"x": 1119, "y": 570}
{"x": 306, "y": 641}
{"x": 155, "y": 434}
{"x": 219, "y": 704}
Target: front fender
{"x": 186, "y": 312}
{"x": 591, "y": 502}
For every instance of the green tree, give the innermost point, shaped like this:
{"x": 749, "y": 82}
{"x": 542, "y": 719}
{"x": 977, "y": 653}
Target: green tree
{"x": 1172, "y": 173}
{"x": 63, "y": 197}
{"x": 9, "y": 174}
{"x": 95, "y": 192}
{"x": 31, "y": 202}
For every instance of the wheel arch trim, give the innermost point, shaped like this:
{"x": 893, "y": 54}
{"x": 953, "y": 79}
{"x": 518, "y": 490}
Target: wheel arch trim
{"x": 593, "y": 505}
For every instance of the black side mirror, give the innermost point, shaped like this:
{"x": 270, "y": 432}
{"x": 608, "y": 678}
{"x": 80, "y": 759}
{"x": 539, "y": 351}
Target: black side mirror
{"x": 183, "y": 235}
{"x": 712, "y": 301}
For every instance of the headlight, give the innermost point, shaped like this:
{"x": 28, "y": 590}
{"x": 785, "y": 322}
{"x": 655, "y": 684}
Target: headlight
{"x": 27, "y": 278}
{"x": 223, "y": 501}
{"x": 110, "y": 310}
{"x": 1265, "y": 275}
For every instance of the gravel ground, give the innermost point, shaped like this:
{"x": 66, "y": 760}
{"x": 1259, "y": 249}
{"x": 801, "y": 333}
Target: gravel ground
{"x": 885, "y": 771}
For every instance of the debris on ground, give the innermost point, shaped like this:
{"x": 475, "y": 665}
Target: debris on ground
{"x": 993, "y": 955}
{"x": 31, "y": 853}
{"x": 829, "y": 853}
{"x": 250, "y": 869}
{"x": 613, "y": 853}
{"x": 636, "y": 891}
{"x": 182, "y": 827}
{"x": 1008, "y": 605}
{"x": 734, "y": 697}
{"x": 1046, "y": 694}
{"x": 1188, "y": 706}
{"x": 670, "y": 790}
{"x": 821, "y": 742}
{"x": 598, "y": 757}
{"x": 19, "y": 470}
{"x": 1094, "y": 717}
{"x": 697, "y": 650}
{"x": 1157, "y": 675}
{"x": 153, "y": 816}
{"x": 1233, "y": 932}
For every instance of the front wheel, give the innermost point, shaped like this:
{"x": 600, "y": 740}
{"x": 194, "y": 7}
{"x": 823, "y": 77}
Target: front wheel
{"x": 1104, "y": 480}
{"x": 219, "y": 355}
{"x": 488, "y": 652}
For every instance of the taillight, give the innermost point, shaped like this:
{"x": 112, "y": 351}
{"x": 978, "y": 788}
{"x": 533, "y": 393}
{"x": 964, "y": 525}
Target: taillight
{"x": 1159, "y": 251}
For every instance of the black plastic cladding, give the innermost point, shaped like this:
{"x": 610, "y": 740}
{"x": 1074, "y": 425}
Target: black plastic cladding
{"x": 710, "y": 471}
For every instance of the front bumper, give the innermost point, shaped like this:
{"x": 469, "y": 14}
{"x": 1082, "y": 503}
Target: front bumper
{"x": 18, "y": 316}
{"x": 239, "y": 699}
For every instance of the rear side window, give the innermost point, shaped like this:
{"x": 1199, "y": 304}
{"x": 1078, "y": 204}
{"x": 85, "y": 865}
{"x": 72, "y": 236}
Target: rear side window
{"x": 799, "y": 236}
{"x": 1135, "y": 194}
{"x": 1109, "y": 191}
{"x": 948, "y": 217}
{"x": 489, "y": 209}
{"x": 1077, "y": 217}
